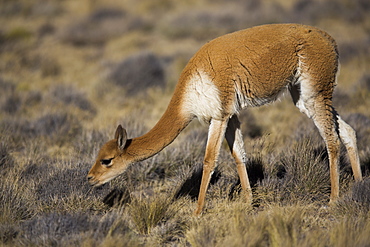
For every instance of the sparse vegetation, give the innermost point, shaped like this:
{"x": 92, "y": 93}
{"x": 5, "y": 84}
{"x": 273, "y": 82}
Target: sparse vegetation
{"x": 70, "y": 71}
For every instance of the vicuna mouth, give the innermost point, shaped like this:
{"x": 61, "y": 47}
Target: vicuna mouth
{"x": 93, "y": 181}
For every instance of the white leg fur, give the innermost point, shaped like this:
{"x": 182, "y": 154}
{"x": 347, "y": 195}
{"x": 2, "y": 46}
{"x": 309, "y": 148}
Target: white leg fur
{"x": 235, "y": 141}
{"x": 305, "y": 101}
{"x": 348, "y": 138}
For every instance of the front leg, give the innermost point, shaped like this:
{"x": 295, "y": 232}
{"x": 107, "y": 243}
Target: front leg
{"x": 216, "y": 135}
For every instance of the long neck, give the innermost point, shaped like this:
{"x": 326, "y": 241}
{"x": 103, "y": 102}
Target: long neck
{"x": 161, "y": 135}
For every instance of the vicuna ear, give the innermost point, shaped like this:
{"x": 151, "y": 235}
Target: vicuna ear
{"x": 121, "y": 136}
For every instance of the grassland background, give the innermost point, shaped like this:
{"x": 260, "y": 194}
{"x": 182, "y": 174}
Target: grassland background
{"x": 70, "y": 71}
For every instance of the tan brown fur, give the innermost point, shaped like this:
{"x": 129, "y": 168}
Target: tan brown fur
{"x": 242, "y": 69}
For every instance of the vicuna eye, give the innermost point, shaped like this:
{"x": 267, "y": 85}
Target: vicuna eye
{"x": 106, "y": 162}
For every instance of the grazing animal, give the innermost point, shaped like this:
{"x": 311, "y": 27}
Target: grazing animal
{"x": 247, "y": 68}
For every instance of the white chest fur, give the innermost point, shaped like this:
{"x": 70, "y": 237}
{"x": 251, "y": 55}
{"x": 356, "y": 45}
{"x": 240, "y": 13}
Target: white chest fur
{"x": 202, "y": 98}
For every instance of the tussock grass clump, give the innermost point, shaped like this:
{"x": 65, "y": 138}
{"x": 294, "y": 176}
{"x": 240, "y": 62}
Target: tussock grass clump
{"x": 350, "y": 231}
{"x": 114, "y": 230}
{"x": 146, "y": 213}
{"x": 191, "y": 184}
{"x": 276, "y": 226}
{"x": 117, "y": 197}
{"x": 304, "y": 171}
{"x": 356, "y": 202}
{"x": 6, "y": 160}
{"x": 17, "y": 201}
{"x": 361, "y": 192}
{"x": 300, "y": 174}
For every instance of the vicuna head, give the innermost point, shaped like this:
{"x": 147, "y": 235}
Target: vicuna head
{"x": 112, "y": 159}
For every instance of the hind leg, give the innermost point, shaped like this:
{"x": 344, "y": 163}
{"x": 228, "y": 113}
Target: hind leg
{"x": 235, "y": 141}
{"x": 332, "y": 129}
{"x": 319, "y": 109}
{"x": 324, "y": 121}
{"x": 348, "y": 138}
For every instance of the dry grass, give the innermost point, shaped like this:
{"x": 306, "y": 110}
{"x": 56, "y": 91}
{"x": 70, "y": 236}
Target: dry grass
{"x": 59, "y": 103}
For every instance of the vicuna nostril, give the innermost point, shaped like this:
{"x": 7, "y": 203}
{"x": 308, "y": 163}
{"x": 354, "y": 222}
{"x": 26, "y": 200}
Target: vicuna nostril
{"x": 89, "y": 177}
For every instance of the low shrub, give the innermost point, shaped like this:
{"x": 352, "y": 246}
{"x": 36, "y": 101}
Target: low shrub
{"x": 249, "y": 125}
{"x": 53, "y": 125}
{"x": 50, "y": 229}
{"x": 364, "y": 82}
{"x": 49, "y": 67}
{"x": 199, "y": 25}
{"x": 100, "y": 26}
{"x": 311, "y": 11}
{"x": 353, "y": 49}
{"x": 60, "y": 183}
{"x": 138, "y": 73}
{"x": 18, "y": 34}
{"x": 69, "y": 95}
{"x": 11, "y": 104}
{"x": 46, "y": 29}
{"x": 361, "y": 124}
{"x": 208, "y": 23}
{"x": 10, "y": 101}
